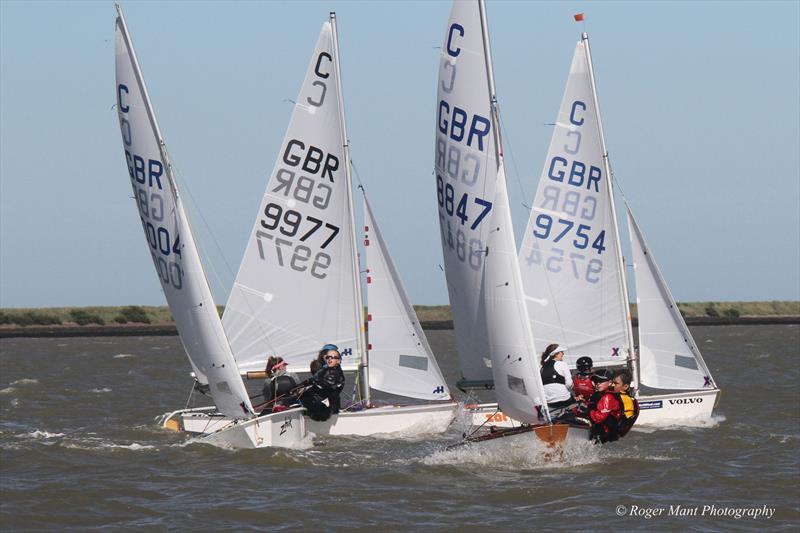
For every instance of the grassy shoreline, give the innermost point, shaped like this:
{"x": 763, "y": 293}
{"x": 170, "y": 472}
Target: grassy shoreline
{"x": 159, "y": 316}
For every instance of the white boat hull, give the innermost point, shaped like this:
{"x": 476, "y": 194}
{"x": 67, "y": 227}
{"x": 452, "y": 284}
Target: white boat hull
{"x": 673, "y": 409}
{"x": 286, "y": 429}
{"x": 676, "y": 409}
{"x": 403, "y": 419}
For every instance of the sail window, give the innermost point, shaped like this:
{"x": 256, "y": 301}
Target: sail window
{"x": 685, "y": 362}
{"x": 414, "y": 361}
{"x": 517, "y": 385}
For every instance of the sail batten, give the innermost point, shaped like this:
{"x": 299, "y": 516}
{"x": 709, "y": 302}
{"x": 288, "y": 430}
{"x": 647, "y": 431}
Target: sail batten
{"x": 171, "y": 243}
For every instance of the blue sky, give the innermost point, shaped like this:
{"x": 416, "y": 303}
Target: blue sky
{"x": 700, "y": 102}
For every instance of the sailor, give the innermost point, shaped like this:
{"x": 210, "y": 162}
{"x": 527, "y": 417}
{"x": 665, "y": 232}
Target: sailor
{"x": 556, "y": 377}
{"x": 278, "y": 385}
{"x": 325, "y": 386}
{"x": 582, "y": 385}
{"x": 604, "y": 409}
{"x": 629, "y": 407}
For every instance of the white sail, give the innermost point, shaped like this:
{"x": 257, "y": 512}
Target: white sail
{"x": 401, "y": 360}
{"x": 466, "y": 172}
{"x": 170, "y": 240}
{"x": 569, "y": 259}
{"x": 668, "y": 356}
{"x": 296, "y": 289}
{"x": 515, "y": 363}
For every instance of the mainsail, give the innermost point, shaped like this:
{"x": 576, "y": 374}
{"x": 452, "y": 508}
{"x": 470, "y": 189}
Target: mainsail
{"x": 570, "y": 260}
{"x": 466, "y": 172}
{"x": 297, "y": 287}
{"x": 668, "y": 356}
{"x": 401, "y": 360}
{"x": 169, "y": 237}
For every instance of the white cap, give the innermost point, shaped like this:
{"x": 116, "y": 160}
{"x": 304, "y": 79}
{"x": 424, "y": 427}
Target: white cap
{"x": 559, "y": 348}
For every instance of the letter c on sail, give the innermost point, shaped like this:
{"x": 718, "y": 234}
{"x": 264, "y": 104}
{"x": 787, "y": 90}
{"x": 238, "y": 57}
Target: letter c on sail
{"x": 453, "y": 28}
{"x": 575, "y": 105}
{"x": 120, "y": 89}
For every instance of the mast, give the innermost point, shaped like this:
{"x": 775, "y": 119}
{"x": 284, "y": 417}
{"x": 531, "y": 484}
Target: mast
{"x": 363, "y": 367}
{"x": 490, "y": 76}
{"x": 622, "y": 275}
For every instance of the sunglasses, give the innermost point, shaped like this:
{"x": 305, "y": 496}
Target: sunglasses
{"x": 332, "y": 357}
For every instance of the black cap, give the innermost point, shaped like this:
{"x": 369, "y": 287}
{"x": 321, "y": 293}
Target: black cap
{"x": 602, "y": 376}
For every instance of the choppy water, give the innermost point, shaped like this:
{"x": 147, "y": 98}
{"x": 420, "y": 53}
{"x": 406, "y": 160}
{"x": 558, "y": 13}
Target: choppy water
{"x": 80, "y": 449}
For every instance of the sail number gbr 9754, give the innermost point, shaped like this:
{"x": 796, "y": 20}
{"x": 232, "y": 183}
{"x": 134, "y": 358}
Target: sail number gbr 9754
{"x": 566, "y": 208}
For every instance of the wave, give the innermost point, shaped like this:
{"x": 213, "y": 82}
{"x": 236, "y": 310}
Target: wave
{"x": 14, "y": 384}
{"x": 700, "y": 421}
{"x": 124, "y": 355}
{"x": 519, "y": 453}
{"x": 98, "y": 391}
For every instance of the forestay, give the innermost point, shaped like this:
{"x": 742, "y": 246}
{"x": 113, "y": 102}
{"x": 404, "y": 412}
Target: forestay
{"x": 570, "y": 264}
{"x": 296, "y": 287}
{"x": 517, "y": 382}
{"x": 400, "y": 358}
{"x": 668, "y": 356}
{"x": 170, "y": 240}
{"x": 466, "y": 172}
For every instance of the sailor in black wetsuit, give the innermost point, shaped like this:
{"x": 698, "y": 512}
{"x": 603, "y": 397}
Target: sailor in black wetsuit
{"x": 326, "y": 384}
{"x": 278, "y": 385}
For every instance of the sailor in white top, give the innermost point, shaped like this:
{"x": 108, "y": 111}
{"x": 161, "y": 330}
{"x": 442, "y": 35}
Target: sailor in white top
{"x": 556, "y": 377}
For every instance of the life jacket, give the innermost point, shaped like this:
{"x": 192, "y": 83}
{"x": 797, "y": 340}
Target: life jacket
{"x": 278, "y": 386}
{"x": 608, "y": 429}
{"x": 629, "y": 408}
{"x": 550, "y": 375}
{"x": 582, "y": 385}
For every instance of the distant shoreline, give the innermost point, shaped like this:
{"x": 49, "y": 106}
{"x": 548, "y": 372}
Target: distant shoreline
{"x": 165, "y": 330}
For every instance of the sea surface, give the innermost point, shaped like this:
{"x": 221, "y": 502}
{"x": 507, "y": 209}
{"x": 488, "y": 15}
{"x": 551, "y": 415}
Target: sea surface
{"x": 80, "y": 449}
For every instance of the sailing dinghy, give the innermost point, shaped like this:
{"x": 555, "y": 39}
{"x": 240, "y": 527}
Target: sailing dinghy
{"x": 574, "y": 276}
{"x": 483, "y": 275}
{"x": 299, "y": 285}
{"x": 180, "y": 271}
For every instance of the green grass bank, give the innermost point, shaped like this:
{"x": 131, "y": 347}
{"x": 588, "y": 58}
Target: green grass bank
{"x": 160, "y": 316}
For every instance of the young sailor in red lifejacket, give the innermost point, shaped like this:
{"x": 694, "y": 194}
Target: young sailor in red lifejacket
{"x": 629, "y": 406}
{"x": 615, "y": 412}
{"x": 604, "y": 410}
{"x": 582, "y": 386}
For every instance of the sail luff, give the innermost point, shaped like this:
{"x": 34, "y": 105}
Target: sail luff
{"x": 358, "y": 293}
{"x": 621, "y": 264}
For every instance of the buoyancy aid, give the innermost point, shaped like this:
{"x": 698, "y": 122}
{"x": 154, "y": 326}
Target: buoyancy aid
{"x": 629, "y": 409}
{"x": 605, "y": 416}
{"x": 278, "y": 386}
{"x": 582, "y": 386}
{"x": 550, "y": 375}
